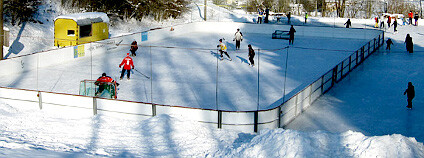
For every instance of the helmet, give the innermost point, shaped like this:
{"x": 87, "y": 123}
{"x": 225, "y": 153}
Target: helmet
{"x": 103, "y": 74}
{"x": 220, "y": 40}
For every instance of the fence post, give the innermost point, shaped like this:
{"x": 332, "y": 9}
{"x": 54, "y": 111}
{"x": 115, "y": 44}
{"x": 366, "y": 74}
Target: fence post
{"x": 322, "y": 84}
{"x": 356, "y": 59}
{"x": 350, "y": 63}
{"x": 334, "y": 77}
{"x": 255, "y": 126}
{"x": 94, "y": 106}
{"x": 279, "y": 115}
{"x": 153, "y": 109}
{"x": 219, "y": 119}
{"x": 362, "y": 54}
{"x": 374, "y": 46}
{"x": 369, "y": 47}
{"x": 382, "y": 41}
{"x": 341, "y": 70}
{"x": 310, "y": 95}
{"x": 40, "y": 100}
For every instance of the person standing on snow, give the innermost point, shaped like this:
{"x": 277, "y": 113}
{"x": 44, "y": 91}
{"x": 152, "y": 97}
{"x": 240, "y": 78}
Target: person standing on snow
{"x": 395, "y": 26}
{"x": 389, "y": 21}
{"x": 251, "y": 55}
{"x": 128, "y": 63}
{"x": 288, "y": 18}
{"x": 382, "y": 19}
{"x": 306, "y": 17}
{"x": 348, "y": 23}
{"x": 376, "y": 22}
{"x": 410, "y": 15}
{"x": 388, "y": 43}
{"x": 133, "y": 48}
{"x": 260, "y": 15}
{"x": 416, "y": 18}
{"x": 291, "y": 34}
{"x": 223, "y": 49}
{"x": 409, "y": 44}
{"x": 410, "y": 93}
{"x": 238, "y": 37}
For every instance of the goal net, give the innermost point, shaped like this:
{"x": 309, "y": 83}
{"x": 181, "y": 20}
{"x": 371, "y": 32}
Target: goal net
{"x": 99, "y": 89}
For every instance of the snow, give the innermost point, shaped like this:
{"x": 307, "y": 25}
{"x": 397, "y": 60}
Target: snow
{"x": 362, "y": 116}
{"x": 83, "y": 17}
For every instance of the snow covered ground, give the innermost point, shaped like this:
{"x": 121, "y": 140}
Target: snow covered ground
{"x": 345, "y": 132}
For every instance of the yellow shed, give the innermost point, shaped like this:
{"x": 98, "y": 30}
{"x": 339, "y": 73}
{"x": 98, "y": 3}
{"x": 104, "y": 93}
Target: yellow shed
{"x": 80, "y": 28}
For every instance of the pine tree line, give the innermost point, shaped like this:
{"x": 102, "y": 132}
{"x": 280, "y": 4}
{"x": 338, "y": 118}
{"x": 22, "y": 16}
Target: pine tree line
{"x": 19, "y": 11}
{"x": 159, "y": 9}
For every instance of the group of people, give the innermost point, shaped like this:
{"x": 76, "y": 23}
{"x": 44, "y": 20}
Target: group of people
{"x": 414, "y": 16}
{"x": 127, "y": 64}
{"x": 238, "y": 37}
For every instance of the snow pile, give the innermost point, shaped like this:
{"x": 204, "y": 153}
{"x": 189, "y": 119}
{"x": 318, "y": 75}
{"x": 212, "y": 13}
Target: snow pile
{"x": 32, "y": 132}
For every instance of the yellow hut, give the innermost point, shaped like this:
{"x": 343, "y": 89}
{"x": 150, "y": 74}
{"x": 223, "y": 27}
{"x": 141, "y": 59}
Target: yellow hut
{"x": 80, "y": 28}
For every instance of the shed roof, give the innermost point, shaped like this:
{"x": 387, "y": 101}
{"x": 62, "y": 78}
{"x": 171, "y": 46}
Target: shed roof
{"x": 86, "y": 18}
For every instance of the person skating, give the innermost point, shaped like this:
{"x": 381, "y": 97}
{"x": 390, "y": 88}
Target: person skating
{"x": 348, "y": 23}
{"x": 388, "y": 43}
{"x": 238, "y": 37}
{"x": 410, "y": 93}
{"x": 291, "y": 34}
{"x": 306, "y": 17}
{"x": 128, "y": 63}
{"x": 133, "y": 48}
{"x": 376, "y": 22}
{"x": 103, "y": 81}
{"x": 251, "y": 55}
{"x": 223, "y": 49}
{"x": 409, "y": 44}
{"x": 382, "y": 19}
{"x": 389, "y": 21}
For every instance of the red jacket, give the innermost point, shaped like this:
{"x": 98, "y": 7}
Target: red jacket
{"x": 103, "y": 79}
{"x": 127, "y": 62}
{"x": 410, "y": 14}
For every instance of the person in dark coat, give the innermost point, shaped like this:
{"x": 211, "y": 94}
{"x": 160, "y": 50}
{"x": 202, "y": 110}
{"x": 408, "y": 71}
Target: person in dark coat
{"x": 288, "y": 18}
{"x": 409, "y": 44}
{"x": 395, "y": 26}
{"x": 133, "y": 48}
{"x": 416, "y": 18}
{"x": 388, "y": 43}
{"x": 348, "y": 23}
{"x": 410, "y": 93}
{"x": 291, "y": 33}
{"x": 251, "y": 55}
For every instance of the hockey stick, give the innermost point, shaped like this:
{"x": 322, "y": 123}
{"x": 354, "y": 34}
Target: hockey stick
{"x": 142, "y": 74}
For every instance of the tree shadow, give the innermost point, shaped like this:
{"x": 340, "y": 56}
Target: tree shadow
{"x": 16, "y": 46}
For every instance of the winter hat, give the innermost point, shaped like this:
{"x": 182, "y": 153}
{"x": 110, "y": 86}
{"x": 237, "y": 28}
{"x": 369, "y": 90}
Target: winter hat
{"x": 128, "y": 54}
{"x": 249, "y": 45}
{"x": 220, "y": 40}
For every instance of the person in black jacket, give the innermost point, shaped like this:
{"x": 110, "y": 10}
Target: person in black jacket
{"x": 388, "y": 43}
{"x": 348, "y": 23}
{"x": 291, "y": 33}
{"x": 409, "y": 44}
{"x": 410, "y": 94}
{"x": 251, "y": 55}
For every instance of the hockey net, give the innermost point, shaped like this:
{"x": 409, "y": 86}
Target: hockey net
{"x": 99, "y": 89}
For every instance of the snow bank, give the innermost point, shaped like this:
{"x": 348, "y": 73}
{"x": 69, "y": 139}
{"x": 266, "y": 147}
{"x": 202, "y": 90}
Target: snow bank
{"x": 167, "y": 136}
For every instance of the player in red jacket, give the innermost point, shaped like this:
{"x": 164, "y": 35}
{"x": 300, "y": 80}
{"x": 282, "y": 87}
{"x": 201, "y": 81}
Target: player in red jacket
{"x": 103, "y": 81}
{"x": 128, "y": 63}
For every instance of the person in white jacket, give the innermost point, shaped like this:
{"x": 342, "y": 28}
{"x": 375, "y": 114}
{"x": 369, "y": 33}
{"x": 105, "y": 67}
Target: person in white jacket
{"x": 238, "y": 37}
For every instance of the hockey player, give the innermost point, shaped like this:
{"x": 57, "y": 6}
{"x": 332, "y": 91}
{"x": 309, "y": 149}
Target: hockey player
{"x": 410, "y": 93}
{"x": 223, "y": 49}
{"x": 128, "y": 63}
{"x": 104, "y": 81}
{"x": 133, "y": 48}
{"x": 238, "y": 37}
{"x": 251, "y": 55}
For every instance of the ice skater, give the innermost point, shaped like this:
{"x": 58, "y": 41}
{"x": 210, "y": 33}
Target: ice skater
{"x": 128, "y": 63}
{"x": 291, "y": 34}
{"x": 251, "y": 55}
{"x": 409, "y": 44}
{"x": 388, "y": 43}
{"x": 348, "y": 23}
{"x": 238, "y": 37}
{"x": 223, "y": 49}
{"x": 410, "y": 93}
{"x": 395, "y": 24}
{"x": 133, "y": 48}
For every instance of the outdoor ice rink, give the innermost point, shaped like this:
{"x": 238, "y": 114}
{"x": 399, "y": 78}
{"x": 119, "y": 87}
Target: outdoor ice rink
{"x": 190, "y": 75}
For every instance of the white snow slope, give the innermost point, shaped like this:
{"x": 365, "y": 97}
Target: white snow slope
{"x": 26, "y": 132}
